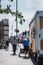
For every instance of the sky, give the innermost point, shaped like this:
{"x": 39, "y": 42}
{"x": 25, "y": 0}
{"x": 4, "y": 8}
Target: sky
{"x": 28, "y": 9}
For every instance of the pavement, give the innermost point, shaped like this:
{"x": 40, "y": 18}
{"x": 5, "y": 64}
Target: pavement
{"x": 6, "y": 58}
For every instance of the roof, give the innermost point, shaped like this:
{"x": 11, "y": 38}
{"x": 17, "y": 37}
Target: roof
{"x": 37, "y": 12}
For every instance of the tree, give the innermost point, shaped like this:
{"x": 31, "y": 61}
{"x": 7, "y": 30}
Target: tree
{"x": 8, "y": 10}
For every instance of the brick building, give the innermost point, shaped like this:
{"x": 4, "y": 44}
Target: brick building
{"x": 4, "y": 29}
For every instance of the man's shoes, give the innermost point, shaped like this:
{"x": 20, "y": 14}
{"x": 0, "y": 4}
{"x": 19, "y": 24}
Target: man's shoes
{"x": 24, "y": 57}
{"x": 14, "y": 54}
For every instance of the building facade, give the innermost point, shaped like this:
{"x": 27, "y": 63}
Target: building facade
{"x": 4, "y": 29}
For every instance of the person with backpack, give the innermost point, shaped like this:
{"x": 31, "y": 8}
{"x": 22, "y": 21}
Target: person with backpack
{"x": 26, "y": 45}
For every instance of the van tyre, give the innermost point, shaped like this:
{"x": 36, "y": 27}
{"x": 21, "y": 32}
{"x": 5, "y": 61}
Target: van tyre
{"x": 38, "y": 60}
{"x": 36, "y": 57}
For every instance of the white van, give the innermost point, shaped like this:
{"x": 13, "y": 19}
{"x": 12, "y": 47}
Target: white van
{"x": 36, "y": 35}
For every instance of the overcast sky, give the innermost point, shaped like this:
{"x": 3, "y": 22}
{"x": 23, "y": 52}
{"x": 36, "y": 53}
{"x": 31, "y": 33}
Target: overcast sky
{"x": 28, "y": 9}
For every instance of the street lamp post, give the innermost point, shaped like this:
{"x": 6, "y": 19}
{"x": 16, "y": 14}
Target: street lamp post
{"x": 16, "y": 18}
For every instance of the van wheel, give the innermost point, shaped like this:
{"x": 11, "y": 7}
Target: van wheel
{"x": 36, "y": 57}
{"x": 38, "y": 60}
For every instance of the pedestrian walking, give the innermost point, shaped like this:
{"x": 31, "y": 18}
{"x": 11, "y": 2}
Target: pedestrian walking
{"x": 26, "y": 46}
{"x": 14, "y": 44}
{"x": 7, "y": 44}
